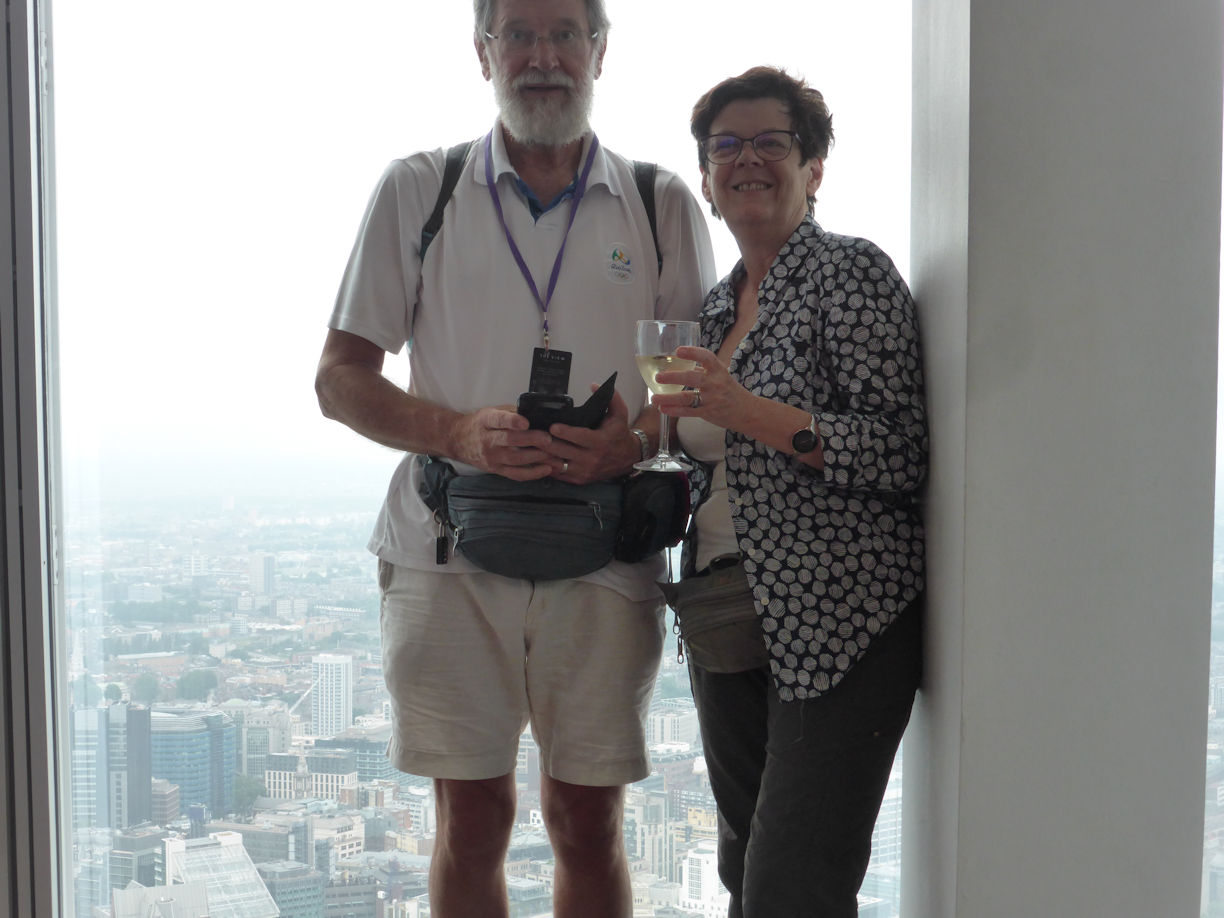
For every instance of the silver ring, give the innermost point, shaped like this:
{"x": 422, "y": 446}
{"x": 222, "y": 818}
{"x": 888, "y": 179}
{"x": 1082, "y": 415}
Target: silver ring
{"x": 696, "y": 399}
{"x": 564, "y": 466}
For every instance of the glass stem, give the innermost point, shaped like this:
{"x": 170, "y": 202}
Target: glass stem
{"x": 664, "y": 426}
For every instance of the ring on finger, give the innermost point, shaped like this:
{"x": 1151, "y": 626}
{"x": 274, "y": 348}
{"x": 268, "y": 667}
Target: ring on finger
{"x": 696, "y": 403}
{"x": 564, "y": 466}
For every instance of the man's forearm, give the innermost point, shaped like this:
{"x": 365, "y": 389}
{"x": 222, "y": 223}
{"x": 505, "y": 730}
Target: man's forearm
{"x": 362, "y": 398}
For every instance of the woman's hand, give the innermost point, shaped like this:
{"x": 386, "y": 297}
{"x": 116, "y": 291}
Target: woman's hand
{"x": 716, "y": 395}
{"x": 713, "y": 393}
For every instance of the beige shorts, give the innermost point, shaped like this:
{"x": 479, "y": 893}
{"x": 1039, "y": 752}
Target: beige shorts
{"x": 471, "y": 659}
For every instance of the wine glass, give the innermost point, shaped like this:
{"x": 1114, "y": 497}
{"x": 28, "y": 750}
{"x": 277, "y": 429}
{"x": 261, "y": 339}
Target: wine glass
{"x": 657, "y": 341}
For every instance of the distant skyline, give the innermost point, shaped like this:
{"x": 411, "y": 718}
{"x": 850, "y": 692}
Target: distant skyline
{"x": 211, "y": 171}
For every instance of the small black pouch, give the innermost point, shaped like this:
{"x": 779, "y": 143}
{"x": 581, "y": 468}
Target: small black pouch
{"x": 654, "y": 514}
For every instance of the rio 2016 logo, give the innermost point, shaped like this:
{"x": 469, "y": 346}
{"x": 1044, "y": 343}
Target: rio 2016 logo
{"x": 620, "y": 264}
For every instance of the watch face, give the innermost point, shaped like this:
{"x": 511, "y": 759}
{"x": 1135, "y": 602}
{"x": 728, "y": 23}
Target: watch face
{"x": 804, "y": 441}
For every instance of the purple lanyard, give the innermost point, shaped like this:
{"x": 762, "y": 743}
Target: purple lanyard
{"x": 579, "y": 190}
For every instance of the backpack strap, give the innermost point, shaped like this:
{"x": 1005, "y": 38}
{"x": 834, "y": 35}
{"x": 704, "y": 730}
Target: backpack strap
{"x": 456, "y": 157}
{"x": 644, "y": 175}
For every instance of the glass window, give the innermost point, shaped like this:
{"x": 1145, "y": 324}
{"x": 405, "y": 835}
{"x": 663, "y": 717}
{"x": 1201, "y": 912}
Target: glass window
{"x": 224, "y": 703}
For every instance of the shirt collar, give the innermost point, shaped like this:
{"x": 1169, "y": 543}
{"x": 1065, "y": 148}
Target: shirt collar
{"x": 600, "y": 172}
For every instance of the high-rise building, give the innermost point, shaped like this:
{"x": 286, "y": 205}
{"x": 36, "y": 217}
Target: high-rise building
{"x": 263, "y": 574}
{"x": 111, "y": 777}
{"x": 89, "y": 775}
{"x": 331, "y": 696}
{"x": 130, "y": 753}
{"x": 198, "y": 751}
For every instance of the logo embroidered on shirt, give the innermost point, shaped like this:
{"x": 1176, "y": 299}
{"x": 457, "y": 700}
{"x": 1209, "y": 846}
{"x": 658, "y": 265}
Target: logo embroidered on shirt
{"x": 620, "y": 265}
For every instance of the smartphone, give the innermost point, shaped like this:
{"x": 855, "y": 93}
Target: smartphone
{"x": 543, "y": 410}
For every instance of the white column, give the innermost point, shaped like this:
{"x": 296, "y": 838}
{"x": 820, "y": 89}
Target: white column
{"x": 1066, "y": 265}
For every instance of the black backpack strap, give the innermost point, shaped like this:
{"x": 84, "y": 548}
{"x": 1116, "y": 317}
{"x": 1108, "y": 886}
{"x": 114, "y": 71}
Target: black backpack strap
{"x": 644, "y": 175}
{"x": 456, "y": 156}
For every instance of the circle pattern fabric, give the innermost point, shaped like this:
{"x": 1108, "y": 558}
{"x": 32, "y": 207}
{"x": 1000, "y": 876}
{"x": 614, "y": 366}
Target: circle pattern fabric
{"x": 833, "y": 555}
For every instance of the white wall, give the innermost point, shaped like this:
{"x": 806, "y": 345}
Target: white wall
{"x": 1065, "y": 260}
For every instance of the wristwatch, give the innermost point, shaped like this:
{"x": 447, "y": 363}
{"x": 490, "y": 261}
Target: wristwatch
{"x": 643, "y": 442}
{"x": 805, "y": 440}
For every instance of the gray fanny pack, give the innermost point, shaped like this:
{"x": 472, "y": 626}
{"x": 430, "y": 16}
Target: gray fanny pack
{"x": 536, "y": 530}
{"x": 717, "y": 617}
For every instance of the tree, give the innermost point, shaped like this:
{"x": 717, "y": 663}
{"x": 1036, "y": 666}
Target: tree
{"x": 197, "y": 683}
{"x": 246, "y": 789}
{"x": 114, "y": 693}
{"x": 146, "y": 688}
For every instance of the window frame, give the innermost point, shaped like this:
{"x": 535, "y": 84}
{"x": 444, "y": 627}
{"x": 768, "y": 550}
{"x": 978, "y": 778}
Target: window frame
{"x": 30, "y": 814}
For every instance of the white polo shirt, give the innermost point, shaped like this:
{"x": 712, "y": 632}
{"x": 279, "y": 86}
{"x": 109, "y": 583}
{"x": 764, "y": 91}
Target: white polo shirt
{"x": 471, "y": 321}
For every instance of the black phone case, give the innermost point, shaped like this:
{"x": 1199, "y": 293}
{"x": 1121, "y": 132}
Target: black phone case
{"x": 589, "y": 414}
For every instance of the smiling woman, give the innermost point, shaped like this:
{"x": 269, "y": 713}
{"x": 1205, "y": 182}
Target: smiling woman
{"x": 210, "y": 174}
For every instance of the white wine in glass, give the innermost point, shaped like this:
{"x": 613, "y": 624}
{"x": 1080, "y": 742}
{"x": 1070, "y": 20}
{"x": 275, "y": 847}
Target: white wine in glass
{"x": 657, "y": 341}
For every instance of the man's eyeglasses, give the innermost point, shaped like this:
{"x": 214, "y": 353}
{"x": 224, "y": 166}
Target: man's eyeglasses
{"x": 771, "y": 146}
{"x": 523, "y": 41}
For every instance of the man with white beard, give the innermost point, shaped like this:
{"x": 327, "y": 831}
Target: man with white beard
{"x": 545, "y": 254}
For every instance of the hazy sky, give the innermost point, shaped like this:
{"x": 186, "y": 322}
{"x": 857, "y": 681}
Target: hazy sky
{"x": 213, "y": 161}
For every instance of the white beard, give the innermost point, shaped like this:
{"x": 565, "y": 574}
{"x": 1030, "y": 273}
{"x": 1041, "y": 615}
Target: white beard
{"x": 551, "y": 122}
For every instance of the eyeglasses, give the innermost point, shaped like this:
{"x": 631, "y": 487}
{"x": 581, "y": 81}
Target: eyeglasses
{"x": 771, "y": 146}
{"x": 523, "y": 41}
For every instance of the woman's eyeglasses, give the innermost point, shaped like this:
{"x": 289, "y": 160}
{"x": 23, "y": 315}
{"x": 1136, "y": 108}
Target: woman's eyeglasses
{"x": 771, "y": 146}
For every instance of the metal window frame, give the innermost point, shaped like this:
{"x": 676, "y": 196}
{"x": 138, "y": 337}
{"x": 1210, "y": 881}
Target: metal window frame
{"x": 31, "y": 820}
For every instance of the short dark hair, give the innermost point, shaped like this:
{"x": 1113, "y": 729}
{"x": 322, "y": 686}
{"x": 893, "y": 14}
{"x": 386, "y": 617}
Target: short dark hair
{"x": 597, "y": 17}
{"x": 810, "y": 118}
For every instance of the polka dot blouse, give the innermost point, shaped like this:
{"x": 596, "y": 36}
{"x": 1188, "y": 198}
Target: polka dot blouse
{"x": 833, "y": 555}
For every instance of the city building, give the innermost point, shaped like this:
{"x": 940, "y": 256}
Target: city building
{"x": 297, "y": 889}
{"x": 673, "y": 720}
{"x": 183, "y": 900}
{"x": 263, "y": 728}
{"x": 134, "y": 854}
{"x": 263, "y": 574}
{"x": 198, "y": 751}
{"x": 368, "y": 743}
{"x": 702, "y": 891}
{"x": 351, "y": 898}
{"x": 328, "y": 775}
{"x": 164, "y": 799}
{"x": 219, "y": 861}
{"x": 111, "y": 764}
{"x": 331, "y": 698}
{"x": 273, "y": 837}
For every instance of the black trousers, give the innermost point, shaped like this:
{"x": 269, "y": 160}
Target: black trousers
{"x": 799, "y": 783}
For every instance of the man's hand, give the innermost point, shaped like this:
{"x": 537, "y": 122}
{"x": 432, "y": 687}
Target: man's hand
{"x": 498, "y": 440}
{"x": 580, "y": 455}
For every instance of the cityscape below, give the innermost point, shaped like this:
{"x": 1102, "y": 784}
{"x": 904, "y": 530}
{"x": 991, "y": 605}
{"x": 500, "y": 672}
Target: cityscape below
{"x": 228, "y": 724}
